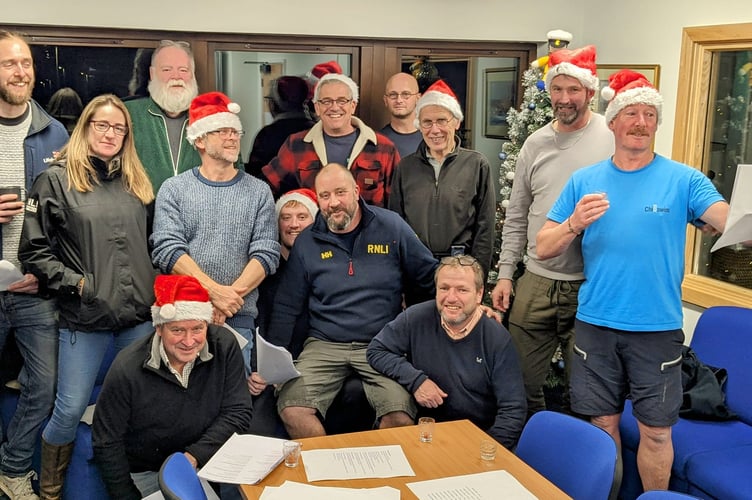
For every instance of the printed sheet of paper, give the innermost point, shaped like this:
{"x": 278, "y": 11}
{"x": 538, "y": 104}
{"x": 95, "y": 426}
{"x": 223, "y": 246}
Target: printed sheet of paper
{"x": 244, "y": 459}
{"x": 291, "y": 489}
{"x": 274, "y": 363}
{"x": 739, "y": 221}
{"x": 356, "y": 463}
{"x": 8, "y": 275}
{"x": 242, "y": 341}
{"x": 490, "y": 485}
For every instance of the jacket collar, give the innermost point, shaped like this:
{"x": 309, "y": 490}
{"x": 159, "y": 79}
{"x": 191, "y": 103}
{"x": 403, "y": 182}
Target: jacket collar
{"x": 315, "y": 136}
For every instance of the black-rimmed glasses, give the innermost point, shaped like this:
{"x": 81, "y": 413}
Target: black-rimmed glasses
{"x": 463, "y": 260}
{"x": 102, "y": 127}
{"x": 393, "y": 96}
{"x": 327, "y": 103}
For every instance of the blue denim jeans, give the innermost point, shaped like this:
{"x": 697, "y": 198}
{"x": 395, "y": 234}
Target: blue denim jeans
{"x": 34, "y": 321}
{"x": 80, "y": 356}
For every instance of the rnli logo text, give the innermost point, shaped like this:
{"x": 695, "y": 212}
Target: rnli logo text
{"x": 382, "y": 249}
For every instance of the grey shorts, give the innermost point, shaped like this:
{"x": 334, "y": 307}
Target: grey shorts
{"x": 610, "y": 365}
{"x": 323, "y": 368}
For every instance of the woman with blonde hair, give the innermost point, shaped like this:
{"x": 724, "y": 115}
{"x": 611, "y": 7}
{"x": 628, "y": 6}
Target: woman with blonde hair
{"x": 85, "y": 234}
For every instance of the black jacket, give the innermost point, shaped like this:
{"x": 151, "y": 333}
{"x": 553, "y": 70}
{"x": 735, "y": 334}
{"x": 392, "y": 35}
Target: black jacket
{"x": 100, "y": 235}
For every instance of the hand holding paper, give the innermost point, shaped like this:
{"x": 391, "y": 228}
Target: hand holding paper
{"x": 739, "y": 222}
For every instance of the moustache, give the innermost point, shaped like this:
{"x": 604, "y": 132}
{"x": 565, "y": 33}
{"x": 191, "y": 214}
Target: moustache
{"x": 639, "y": 131}
{"x": 176, "y": 83}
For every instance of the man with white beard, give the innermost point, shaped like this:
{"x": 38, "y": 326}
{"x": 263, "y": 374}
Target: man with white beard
{"x": 159, "y": 121}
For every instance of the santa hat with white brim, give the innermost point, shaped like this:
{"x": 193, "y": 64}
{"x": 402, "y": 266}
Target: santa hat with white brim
{"x": 578, "y": 63}
{"x": 627, "y": 87}
{"x": 209, "y": 112}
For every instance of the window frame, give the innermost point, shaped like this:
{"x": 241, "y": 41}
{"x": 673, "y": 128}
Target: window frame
{"x": 690, "y": 137}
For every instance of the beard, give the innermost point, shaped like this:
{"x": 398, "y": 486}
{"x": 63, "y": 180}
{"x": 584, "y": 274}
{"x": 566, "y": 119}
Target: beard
{"x": 170, "y": 98}
{"x": 16, "y": 98}
{"x": 343, "y": 223}
{"x": 567, "y": 114}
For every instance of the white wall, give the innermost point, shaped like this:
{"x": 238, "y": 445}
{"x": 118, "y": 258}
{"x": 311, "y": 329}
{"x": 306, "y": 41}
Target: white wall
{"x": 636, "y": 32}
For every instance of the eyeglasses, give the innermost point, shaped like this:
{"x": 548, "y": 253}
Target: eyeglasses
{"x": 227, "y": 133}
{"x": 441, "y": 122}
{"x": 327, "y": 103}
{"x": 393, "y": 96}
{"x": 102, "y": 127}
{"x": 463, "y": 260}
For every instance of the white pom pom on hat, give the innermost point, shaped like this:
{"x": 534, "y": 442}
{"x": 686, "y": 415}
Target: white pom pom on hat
{"x": 627, "y": 87}
{"x": 209, "y": 112}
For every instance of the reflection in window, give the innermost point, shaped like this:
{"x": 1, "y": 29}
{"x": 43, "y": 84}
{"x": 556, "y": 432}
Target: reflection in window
{"x": 729, "y": 143}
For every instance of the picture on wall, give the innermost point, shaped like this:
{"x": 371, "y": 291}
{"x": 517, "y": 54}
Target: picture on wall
{"x": 500, "y": 95}
{"x": 651, "y": 72}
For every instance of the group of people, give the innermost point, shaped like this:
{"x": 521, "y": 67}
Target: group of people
{"x": 362, "y": 226}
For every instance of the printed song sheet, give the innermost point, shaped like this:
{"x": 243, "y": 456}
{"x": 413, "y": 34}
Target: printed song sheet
{"x": 356, "y": 463}
{"x": 291, "y": 489}
{"x": 274, "y": 363}
{"x": 244, "y": 459}
{"x": 739, "y": 221}
{"x": 490, "y": 485}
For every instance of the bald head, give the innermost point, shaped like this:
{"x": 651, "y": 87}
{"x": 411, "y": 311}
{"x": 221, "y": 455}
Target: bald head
{"x": 401, "y": 95}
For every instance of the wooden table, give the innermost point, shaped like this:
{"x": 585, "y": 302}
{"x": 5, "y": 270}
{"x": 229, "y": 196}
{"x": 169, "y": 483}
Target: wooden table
{"x": 455, "y": 451}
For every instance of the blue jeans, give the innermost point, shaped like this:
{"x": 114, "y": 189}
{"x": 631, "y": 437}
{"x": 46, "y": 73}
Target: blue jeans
{"x": 34, "y": 321}
{"x": 248, "y": 334}
{"x": 80, "y": 357}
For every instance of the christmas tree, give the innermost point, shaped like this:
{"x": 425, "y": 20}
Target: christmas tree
{"x": 535, "y": 111}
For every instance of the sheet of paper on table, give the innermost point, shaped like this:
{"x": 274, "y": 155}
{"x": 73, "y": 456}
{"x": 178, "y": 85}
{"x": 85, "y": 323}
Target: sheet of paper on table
{"x": 243, "y": 459}
{"x": 739, "y": 220}
{"x": 490, "y": 485}
{"x": 291, "y": 489}
{"x": 274, "y": 363}
{"x": 356, "y": 463}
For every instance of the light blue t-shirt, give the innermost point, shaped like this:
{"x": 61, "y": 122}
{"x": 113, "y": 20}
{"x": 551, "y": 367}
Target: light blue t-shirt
{"x": 634, "y": 254}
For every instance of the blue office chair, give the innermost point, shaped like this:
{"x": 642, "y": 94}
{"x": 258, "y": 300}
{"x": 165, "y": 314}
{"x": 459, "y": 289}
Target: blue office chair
{"x": 178, "y": 479}
{"x": 578, "y": 457}
{"x": 665, "y": 495}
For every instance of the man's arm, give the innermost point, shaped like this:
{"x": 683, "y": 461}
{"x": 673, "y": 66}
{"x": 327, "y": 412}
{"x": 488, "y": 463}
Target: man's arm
{"x": 716, "y": 215}
{"x": 108, "y": 436}
{"x": 290, "y": 300}
{"x": 554, "y": 238}
{"x": 235, "y": 411}
{"x": 226, "y": 299}
{"x": 509, "y": 391}
{"x": 485, "y": 222}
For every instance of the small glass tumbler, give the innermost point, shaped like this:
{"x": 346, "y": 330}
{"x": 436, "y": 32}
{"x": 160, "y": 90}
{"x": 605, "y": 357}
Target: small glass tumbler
{"x": 291, "y": 450}
{"x": 425, "y": 429}
{"x": 488, "y": 449}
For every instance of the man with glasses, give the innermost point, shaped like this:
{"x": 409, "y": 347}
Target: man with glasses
{"x": 457, "y": 362}
{"x": 444, "y": 191}
{"x": 339, "y": 137}
{"x": 217, "y": 223}
{"x": 400, "y": 97}
{"x": 348, "y": 269}
{"x": 29, "y": 138}
{"x": 159, "y": 121}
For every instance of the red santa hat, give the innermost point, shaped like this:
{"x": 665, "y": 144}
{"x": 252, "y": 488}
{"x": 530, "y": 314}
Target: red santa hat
{"x": 627, "y": 87}
{"x": 209, "y": 112}
{"x": 304, "y": 196}
{"x": 321, "y": 69}
{"x": 439, "y": 94}
{"x": 179, "y": 298}
{"x": 578, "y": 63}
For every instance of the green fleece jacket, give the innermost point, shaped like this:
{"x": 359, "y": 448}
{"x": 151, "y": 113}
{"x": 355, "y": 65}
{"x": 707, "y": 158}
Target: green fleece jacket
{"x": 150, "y": 136}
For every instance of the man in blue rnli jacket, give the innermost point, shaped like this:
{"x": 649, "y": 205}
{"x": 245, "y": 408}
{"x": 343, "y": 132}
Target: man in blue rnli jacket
{"x": 350, "y": 267}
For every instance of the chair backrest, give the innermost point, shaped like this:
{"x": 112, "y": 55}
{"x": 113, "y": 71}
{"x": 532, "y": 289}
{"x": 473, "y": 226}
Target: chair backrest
{"x": 723, "y": 338}
{"x": 578, "y": 457}
{"x": 178, "y": 479}
{"x": 665, "y": 495}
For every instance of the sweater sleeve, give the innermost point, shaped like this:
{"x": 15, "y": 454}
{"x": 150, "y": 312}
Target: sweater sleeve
{"x": 236, "y": 408}
{"x": 514, "y": 232}
{"x": 264, "y": 245}
{"x": 389, "y": 353}
{"x": 485, "y": 206}
{"x": 509, "y": 390}
{"x": 108, "y": 434}
{"x": 168, "y": 237}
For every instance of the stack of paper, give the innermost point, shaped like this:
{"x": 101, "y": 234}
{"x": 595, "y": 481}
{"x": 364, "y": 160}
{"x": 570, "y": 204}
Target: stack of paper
{"x": 291, "y": 489}
{"x": 482, "y": 486}
{"x": 244, "y": 459}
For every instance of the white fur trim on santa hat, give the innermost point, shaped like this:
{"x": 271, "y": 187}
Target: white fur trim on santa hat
{"x": 637, "y": 95}
{"x": 585, "y": 76}
{"x": 307, "y": 202}
{"x": 336, "y": 77}
{"x": 214, "y": 122}
{"x": 181, "y": 310}
{"x": 435, "y": 98}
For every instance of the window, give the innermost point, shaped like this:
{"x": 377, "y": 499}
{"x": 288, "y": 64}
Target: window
{"x": 713, "y": 123}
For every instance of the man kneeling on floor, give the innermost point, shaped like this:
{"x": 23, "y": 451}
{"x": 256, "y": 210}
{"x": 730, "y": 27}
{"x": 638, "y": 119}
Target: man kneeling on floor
{"x": 182, "y": 389}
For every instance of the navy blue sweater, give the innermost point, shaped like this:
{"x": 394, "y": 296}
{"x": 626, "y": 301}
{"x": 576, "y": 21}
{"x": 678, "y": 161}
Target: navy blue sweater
{"x": 480, "y": 373}
{"x": 350, "y": 295}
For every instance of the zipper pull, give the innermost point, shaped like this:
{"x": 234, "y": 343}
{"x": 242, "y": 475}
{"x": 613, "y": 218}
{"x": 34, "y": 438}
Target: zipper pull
{"x": 350, "y": 270}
